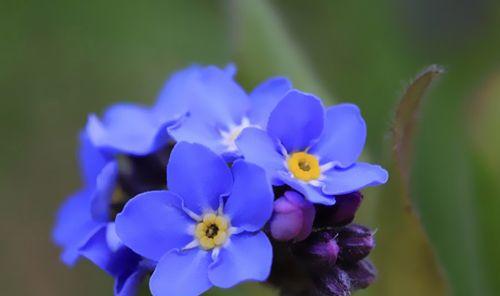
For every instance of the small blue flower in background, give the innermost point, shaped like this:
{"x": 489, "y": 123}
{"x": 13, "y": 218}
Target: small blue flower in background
{"x": 311, "y": 149}
{"x": 219, "y": 109}
{"x": 206, "y": 229}
{"x": 84, "y": 228}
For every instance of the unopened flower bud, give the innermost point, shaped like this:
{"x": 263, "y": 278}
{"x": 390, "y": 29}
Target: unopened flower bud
{"x": 320, "y": 249}
{"x": 292, "y": 218}
{"x": 334, "y": 282}
{"x": 342, "y": 213}
{"x": 362, "y": 274}
{"x": 355, "y": 242}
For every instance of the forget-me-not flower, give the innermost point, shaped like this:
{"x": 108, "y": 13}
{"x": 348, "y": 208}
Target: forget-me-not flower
{"x": 84, "y": 226}
{"x": 206, "y": 229}
{"x": 219, "y": 109}
{"x": 311, "y": 149}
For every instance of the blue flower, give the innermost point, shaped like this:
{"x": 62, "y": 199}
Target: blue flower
{"x": 205, "y": 230}
{"x": 84, "y": 228}
{"x": 134, "y": 129}
{"x": 311, "y": 149}
{"x": 219, "y": 109}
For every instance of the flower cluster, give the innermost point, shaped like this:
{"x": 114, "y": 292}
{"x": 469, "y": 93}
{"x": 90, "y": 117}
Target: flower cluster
{"x": 213, "y": 186}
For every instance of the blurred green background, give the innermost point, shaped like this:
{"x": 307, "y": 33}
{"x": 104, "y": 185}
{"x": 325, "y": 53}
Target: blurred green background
{"x": 60, "y": 60}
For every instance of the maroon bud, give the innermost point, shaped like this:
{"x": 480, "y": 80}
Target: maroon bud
{"x": 355, "y": 242}
{"x": 362, "y": 274}
{"x": 320, "y": 249}
{"x": 342, "y": 213}
{"x": 292, "y": 218}
{"x": 334, "y": 282}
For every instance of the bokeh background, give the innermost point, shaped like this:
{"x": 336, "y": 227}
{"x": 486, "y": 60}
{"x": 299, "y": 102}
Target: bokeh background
{"x": 61, "y": 60}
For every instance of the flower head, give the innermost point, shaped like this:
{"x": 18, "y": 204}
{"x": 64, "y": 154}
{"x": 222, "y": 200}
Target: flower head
{"x": 311, "y": 149}
{"x": 205, "y": 230}
{"x": 221, "y": 151}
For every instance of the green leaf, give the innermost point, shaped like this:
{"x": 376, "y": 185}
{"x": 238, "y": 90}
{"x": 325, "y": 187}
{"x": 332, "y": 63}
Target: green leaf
{"x": 484, "y": 120}
{"x": 443, "y": 191}
{"x": 406, "y": 119}
{"x": 404, "y": 256}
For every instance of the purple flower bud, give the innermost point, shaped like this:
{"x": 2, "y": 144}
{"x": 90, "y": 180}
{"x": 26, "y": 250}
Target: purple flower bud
{"x": 362, "y": 274}
{"x": 342, "y": 281}
{"x": 342, "y": 213}
{"x": 355, "y": 242}
{"x": 334, "y": 282}
{"x": 292, "y": 218}
{"x": 320, "y": 249}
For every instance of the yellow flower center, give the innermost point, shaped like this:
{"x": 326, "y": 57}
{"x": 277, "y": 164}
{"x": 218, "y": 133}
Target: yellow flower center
{"x": 212, "y": 231}
{"x": 304, "y": 166}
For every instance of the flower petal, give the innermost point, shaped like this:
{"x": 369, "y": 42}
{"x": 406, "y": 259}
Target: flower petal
{"x": 248, "y": 256}
{"x": 74, "y": 225}
{"x": 250, "y": 204}
{"x": 310, "y": 192}
{"x": 258, "y": 148}
{"x": 344, "y": 135}
{"x": 192, "y": 130}
{"x": 127, "y": 284}
{"x": 297, "y": 121}
{"x": 129, "y": 129}
{"x": 230, "y": 70}
{"x": 153, "y": 223}
{"x": 114, "y": 261}
{"x": 173, "y": 99}
{"x": 354, "y": 178}
{"x": 199, "y": 176}
{"x": 92, "y": 160}
{"x": 105, "y": 186}
{"x": 218, "y": 98}
{"x": 207, "y": 92}
{"x": 265, "y": 97}
{"x": 181, "y": 273}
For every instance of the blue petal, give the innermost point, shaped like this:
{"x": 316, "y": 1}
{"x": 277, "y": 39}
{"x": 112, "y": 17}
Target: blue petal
{"x": 207, "y": 92}
{"x": 129, "y": 129}
{"x": 311, "y": 193}
{"x": 105, "y": 187}
{"x": 199, "y": 176}
{"x": 297, "y": 121}
{"x": 248, "y": 256}
{"x": 115, "y": 260}
{"x": 344, "y": 135}
{"x": 74, "y": 225}
{"x": 230, "y": 70}
{"x": 265, "y": 97}
{"x": 153, "y": 223}
{"x": 217, "y": 98}
{"x": 181, "y": 273}
{"x": 250, "y": 204}
{"x": 193, "y": 130}
{"x": 354, "y": 178}
{"x": 257, "y": 147}
{"x": 174, "y": 99}
{"x": 92, "y": 160}
{"x": 127, "y": 284}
